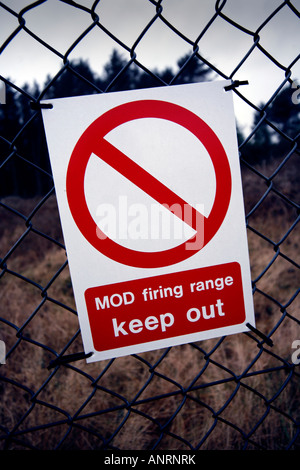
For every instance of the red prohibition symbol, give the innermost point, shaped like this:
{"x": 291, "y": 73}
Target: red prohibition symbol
{"x": 92, "y": 141}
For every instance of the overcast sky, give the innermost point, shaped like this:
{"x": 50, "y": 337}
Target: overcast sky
{"x": 59, "y": 24}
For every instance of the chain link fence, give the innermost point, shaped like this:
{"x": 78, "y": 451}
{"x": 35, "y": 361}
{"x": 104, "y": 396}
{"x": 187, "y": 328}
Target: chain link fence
{"x": 234, "y": 392}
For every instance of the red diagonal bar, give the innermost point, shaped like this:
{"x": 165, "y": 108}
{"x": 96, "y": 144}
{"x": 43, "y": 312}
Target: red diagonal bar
{"x": 148, "y": 183}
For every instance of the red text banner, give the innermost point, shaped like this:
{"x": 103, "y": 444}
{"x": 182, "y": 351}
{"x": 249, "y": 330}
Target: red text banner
{"x": 165, "y": 306}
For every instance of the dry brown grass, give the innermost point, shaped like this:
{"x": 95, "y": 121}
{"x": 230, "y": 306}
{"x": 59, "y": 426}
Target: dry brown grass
{"x": 217, "y": 407}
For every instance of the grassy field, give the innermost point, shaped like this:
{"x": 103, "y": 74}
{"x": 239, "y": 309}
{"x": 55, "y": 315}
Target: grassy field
{"x": 218, "y": 408}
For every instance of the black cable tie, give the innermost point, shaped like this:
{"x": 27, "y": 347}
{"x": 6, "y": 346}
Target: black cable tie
{"x": 259, "y": 333}
{"x": 235, "y": 84}
{"x": 68, "y": 358}
{"x": 36, "y": 106}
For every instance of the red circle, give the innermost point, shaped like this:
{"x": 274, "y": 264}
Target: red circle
{"x": 97, "y": 131}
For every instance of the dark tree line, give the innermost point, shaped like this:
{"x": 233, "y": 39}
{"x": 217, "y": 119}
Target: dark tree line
{"x": 269, "y": 143}
{"x": 24, "y": 162}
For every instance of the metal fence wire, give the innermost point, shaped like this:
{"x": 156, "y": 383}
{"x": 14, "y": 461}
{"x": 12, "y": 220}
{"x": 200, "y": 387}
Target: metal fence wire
{"x": 235, "y": 392}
